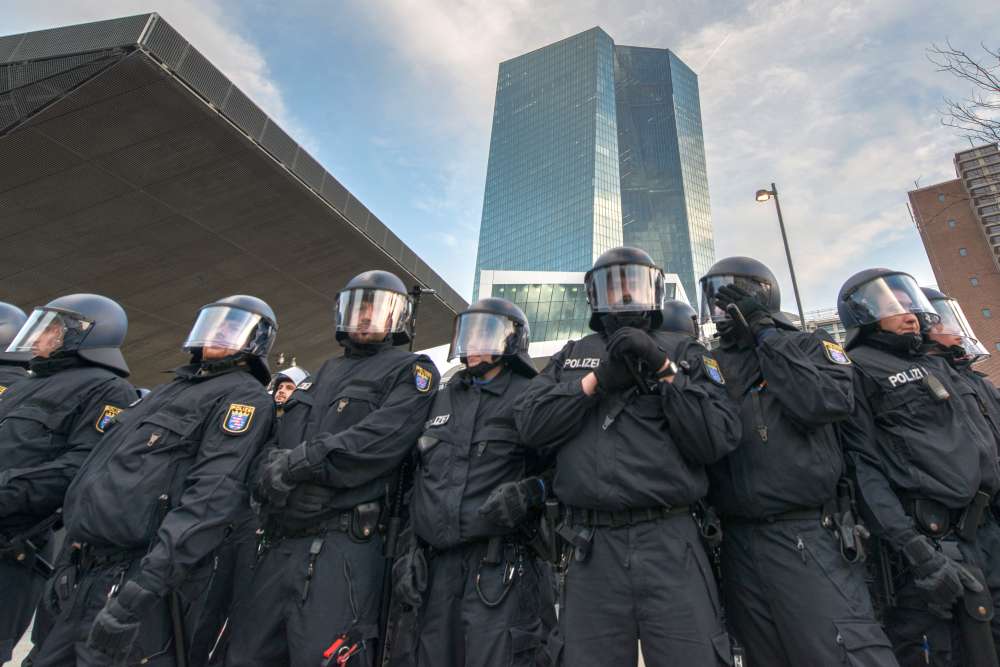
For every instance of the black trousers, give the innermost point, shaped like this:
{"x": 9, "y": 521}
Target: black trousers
{"x": 651, "y": 581}
{"x": 22, "y": 589}
{"x": 791, "y": 599}
{"x": 498, "y": 625}
{"x": 989, "y": 558}
{"x": 284, "y": 616}
{"x": 66, "y": 642}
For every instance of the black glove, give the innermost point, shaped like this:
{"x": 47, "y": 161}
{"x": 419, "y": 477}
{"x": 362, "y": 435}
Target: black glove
{"x": 612, "y": 374}
{"x": 510, "y": 502}
{"x": 308, "y": 501}
{"x": 409, "y": 576}
{"x": 757, "y": 315}
{"x": 274, "y": 484}
{"x": 637, "y": 344}
{"x": 940, "y": 579}
{"x": 117, "y": 625}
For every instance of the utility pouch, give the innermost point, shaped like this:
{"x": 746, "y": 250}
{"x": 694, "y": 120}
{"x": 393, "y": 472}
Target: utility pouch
{"x": 972, "y": 517}
{"x": 494, "y": 551}
{"x": 364, "y": 520}
{"x": 974, "y": 616}
{"x": 935, "y": 388}
{"x": 933, "y": 519}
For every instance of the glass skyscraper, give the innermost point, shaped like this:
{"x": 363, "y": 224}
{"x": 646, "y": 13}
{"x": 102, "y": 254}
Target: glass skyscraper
{"x": 595, "y": 145}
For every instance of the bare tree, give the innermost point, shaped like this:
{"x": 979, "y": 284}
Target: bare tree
{"x": 977, "y": 116}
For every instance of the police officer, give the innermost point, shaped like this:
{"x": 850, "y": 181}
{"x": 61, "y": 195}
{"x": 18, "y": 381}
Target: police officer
{"x": 953, "y": 339}
{"x": 49, "y": 422}
{"x": 793, "y": 579}
{"x": 918, "y": 457}
{"x": 12, "y": 364}
{"x": 469, "y": 571}
{"x": 679, "y": 318}
{"x": 319, "y": 577}
{"x": 157, "y": 497}
{"x": 285, "y": 382}
{"x": 635, "y": 431}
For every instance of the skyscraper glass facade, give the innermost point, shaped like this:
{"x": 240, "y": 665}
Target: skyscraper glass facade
{"x": 595, "y": 145}
{"x": 664, "y": 184}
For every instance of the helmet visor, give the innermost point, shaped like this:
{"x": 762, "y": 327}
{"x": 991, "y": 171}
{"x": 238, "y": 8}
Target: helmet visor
{"x": 710, "y": 286}
{"x": 372, "y": 312}
{"x": 48, "y": 331}
{"x": 954, "y": 323}
{"x": 890, "y": 295}
{"x": 223, "y": 327}
{"x": 482, "y": 334}
{"x": 625, "y": 288}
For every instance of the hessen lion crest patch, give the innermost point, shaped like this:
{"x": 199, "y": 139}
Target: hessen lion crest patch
{"x": 713, "y": 370}
{"x": 108, "y": 414}
{"x": 422, "y": 378}
{"x": 238, "y": 418}
{"x": 836, "y": 353}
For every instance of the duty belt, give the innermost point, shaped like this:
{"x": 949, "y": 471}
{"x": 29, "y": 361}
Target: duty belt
{"x": 339, "y": 521}
{"x": 792, "y": 515}
{"x": 578, "y": 516}
{"x": 90, "y": 557}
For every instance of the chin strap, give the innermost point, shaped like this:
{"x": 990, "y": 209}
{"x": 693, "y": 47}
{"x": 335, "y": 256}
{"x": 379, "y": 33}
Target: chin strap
{"x": 482, "y": 368}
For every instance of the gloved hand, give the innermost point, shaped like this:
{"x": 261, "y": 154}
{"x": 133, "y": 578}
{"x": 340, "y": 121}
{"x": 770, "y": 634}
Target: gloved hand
{"x": 638, "y": 344}
{"x": 409, "y": 576}
{"x": 510, "y": 502}
{"x": 754, "y": 312}
{"x": 274, "y": 484}
{"x": 940, "y": 579}
{"x": 117, "y": 625}
{"x": 612, "y": 374}
{"x": 307, "y": 501}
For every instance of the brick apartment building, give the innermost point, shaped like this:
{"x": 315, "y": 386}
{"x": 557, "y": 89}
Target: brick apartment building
{"x": 959, "y": 223}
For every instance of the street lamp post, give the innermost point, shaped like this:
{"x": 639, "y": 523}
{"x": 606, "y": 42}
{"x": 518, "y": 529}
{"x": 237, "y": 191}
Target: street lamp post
{"x": 764, "y": 195}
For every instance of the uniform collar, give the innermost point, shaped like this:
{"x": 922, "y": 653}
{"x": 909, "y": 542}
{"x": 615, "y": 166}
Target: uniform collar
{"x": 203, "y": 371}
{"x": 497, "y": 386}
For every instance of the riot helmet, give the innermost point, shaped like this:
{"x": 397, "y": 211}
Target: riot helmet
{"x": 953, "y": 329}
{"x": 238, "y": 326}
{"x": 624, "y": 288}
{"x": 374, "y": 306}
{"x": 873, "y": 295}
{"x": 12, "y": 319}
{"x": 749, "y": 275}
{"x": 294, "y": 375}
{"x": 679, "y": 317}
{"x": 90, "y": 326}
{"x": 492, "y": 327}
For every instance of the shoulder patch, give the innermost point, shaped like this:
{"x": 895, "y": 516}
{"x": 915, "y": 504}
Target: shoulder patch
{"x": 304, "y": 386}
{"x": 713, "y": 370}
{"x": 107, "y": 415}
{"x": 836, "y": 353}
{"x": 3, "y": 388}
{"x": 422, "y": 378}
{"x": 238, "y": 418}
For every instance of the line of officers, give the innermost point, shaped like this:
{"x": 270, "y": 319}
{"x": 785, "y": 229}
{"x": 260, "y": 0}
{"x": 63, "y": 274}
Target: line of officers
{"x": 844, "y": 502}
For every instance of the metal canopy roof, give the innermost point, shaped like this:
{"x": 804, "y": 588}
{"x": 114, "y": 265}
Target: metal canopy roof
{"x": 131, "y": 167}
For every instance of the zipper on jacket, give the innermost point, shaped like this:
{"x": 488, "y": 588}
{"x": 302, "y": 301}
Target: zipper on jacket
{"x": 758, "y": 412}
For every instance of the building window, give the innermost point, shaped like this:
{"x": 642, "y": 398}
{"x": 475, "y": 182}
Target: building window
{"x": 941, "y": 198}
{"x": 998, "y": 347}
{"x": 951, "y": 224}
{"x": 987, "y": 312}
{"x": 974, "y": 282}
{"x": 963, "y": 252}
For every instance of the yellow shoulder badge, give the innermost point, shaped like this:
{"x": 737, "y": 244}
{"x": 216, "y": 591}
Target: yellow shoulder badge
{"x": 109, "y": 413}
{"x": 238, "y": 418}
{"x": 836, "y": 353}
{"x": 422, "y": 378}
{"x": 3, "y": 388}
{"x": 713, "y": 370}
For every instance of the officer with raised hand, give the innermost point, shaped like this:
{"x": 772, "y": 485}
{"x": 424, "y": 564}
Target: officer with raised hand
{"x": 954, "y": 340}
{"x": 49, "y": 423}
{"x": 918, "y": 456}
{"x": 792, "y": 570}
{"x": 13, "y": 365}
{"x": 634, "y": 431}
{"x": 339, "y": 443}
{"x": 468, "y": 571}
{"x": 157, "y": 497}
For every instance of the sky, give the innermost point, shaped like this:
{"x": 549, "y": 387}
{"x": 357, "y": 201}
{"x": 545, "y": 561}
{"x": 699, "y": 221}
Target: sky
{"x": 835, "y": 102}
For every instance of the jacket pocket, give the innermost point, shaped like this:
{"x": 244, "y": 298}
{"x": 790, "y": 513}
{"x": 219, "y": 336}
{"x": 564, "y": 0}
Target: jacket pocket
{"x": 525, "y": 644}
{"x": 864, "y": 643}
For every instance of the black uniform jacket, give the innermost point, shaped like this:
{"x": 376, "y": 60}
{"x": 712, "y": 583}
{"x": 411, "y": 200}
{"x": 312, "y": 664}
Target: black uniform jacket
{"x": 9, "y": 374}
{"x": 911, "y": 434}
{"x": 628, "y": 450}
{"x": 469, "y": 446}
{"x": 985, "y": 403}
{"x": 792, "y": 389}
{"x": 49, "y": 423}
{"x": 171, "y": 474}
{"x": 361, "y": 416}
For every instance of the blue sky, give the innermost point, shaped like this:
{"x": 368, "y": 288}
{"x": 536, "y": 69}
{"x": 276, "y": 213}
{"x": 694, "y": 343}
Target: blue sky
{"x": 836, "y": 102}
